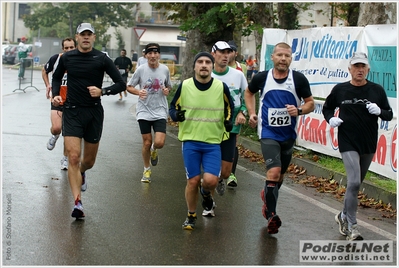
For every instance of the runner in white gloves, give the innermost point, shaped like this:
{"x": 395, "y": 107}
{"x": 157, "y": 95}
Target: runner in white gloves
{"x": 361, "y": 104}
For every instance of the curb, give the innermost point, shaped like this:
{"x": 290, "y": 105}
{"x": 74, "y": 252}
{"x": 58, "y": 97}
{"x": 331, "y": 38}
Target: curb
{"x": 372, "y": 191}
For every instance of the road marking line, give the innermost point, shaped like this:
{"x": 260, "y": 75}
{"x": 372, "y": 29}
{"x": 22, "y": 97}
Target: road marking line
{"x": 368, "y": 226}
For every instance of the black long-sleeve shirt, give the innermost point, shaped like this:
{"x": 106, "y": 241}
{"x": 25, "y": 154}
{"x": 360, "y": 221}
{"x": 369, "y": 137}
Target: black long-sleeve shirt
{"x": 359, "y": 129}
{"x": 84, "y": 70}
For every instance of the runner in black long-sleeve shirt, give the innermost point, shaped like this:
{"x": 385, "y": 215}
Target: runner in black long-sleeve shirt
{"x": 83, "y": 114}
{"x": 361, "y": 103}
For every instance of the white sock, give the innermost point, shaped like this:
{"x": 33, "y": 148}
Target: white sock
{"x": 147, "y": 168}
{"x": 343, "y": 216}
{"x": 152, "y": 147}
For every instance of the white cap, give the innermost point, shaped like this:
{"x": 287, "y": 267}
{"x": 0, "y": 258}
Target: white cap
{"x": 359, "y": 57}
{"x": 221, "y": 45}
{"x": 84, "y": 27}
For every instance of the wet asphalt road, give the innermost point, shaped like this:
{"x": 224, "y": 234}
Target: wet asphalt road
{"x": 130, "y": 223}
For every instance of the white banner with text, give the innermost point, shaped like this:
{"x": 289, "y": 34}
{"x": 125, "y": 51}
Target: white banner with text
{"x": 322, "y": 55}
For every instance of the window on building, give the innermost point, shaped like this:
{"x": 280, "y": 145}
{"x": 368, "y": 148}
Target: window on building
{"x": 24, "y": 9}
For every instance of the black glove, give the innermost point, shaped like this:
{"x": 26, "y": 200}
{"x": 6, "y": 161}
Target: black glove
{"x": 180, "y": 114}
{"x": 228, "y": 125}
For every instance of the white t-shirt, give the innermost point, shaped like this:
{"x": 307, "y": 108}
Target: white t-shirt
{"x": 236, "y": 82}
{"x": 155, "y": 106}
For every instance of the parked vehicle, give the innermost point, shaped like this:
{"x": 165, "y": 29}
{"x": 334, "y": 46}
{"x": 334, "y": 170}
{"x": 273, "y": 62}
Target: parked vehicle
{"x": 7, "y": 52}
{"x": 3, "y": 51}
{"x": 168, "y": 56}
{"x": 11, "y": 54}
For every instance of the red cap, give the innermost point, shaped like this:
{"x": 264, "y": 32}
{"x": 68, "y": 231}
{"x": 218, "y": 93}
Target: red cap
{"x": 23, "y": 38}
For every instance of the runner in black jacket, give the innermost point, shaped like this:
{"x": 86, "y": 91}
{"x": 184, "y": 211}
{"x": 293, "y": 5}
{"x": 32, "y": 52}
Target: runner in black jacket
{"x": 124, "y": 65}
{"x": 83, "y": 114}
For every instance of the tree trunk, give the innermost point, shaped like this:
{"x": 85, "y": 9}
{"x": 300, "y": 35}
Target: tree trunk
{"x": 287, "y": 16}
{"x": 353, "y": 14}
{"x": 262, "y": 13}
{"x": 392, "y": 12}
{"x": 198, "y": 41}
{"x": 372, "y": 13}
{"x": 193, "y": 46}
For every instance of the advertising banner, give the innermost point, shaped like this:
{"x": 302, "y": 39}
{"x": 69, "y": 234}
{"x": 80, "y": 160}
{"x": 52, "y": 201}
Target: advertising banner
{"x": 322, "y": 55}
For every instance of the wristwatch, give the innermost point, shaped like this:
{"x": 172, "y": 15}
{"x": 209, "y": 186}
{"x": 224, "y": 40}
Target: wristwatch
{"x": 105, "y": 91}
{"x": 299, "y": 111}
{"x": 244, "y": 112}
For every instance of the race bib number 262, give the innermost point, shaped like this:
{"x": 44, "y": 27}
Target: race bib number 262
{"x": 279, "y": 117}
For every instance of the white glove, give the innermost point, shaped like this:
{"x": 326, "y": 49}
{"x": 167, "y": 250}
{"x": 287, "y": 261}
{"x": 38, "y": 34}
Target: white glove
{"x": 335, "y": 122}
{"x": 373, "y": 108}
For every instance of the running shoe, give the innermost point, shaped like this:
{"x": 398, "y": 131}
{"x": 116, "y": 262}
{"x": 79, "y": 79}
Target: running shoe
{"x": 232, "y": 181}
{"x": 189, "y": 223}
{"x": 221, "y": 187}
{"x": 146, "y": 176}
{"x": 64, "y": 163}
{"x": 209, "y": 213}
{"x": 264, "y": 207}
{"x": 343, "y": 224}
{"x": 273, "y": 223}
{"x": 154, "y": 157}
{"x": 51, "y": 142}
{"x": 354, "y": 234}
{"x": 78, "y": 210}
{"x": 84, "y": 182}
{"x": 207, "y": 201}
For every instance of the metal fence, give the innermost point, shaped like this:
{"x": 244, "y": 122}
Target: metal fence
{"x": 25, "y": 74}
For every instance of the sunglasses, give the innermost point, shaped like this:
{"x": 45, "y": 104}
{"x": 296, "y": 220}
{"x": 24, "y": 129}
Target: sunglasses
{"x": 69, "y": 47}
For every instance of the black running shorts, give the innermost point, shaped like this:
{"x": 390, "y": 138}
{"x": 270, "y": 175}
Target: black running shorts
{"x": 157, "y": 126}
{"x": 57, "y": 108}
{"x": 83, "y": 122}
{"x": 277, "y": 153}
{"x": 228, "y": 148}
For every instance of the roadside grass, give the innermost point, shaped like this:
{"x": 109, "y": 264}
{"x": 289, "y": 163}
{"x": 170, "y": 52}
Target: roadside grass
{"x": 337, "y": 165}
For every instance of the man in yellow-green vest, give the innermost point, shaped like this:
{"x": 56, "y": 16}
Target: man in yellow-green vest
{"x": 203, "y": 107}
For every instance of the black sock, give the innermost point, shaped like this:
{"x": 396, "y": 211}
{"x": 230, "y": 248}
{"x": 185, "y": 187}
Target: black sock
{"x": 271, "y": 194}
{"x": 203, "y": 192}
{"x": 233, "y": 169}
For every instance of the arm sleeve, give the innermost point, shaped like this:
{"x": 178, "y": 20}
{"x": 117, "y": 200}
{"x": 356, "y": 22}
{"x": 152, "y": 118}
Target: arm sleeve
{"x": 173, "y": 104}
{"x": 49, "y": 66}
{"x": 57, "y": 77}
{"x": 257, "y": 82}
{"x": 386, "y": 110}
{"x": 228, "y": 103}
{"x": 243, "y": 86}
{"x": 329, "y": 105}
{"x": 119, "y": 85}
{"x": 168, "y": 83}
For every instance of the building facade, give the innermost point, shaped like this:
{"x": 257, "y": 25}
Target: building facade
{"x": 12, "y": 25}
{"x": 151, "y": 26}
